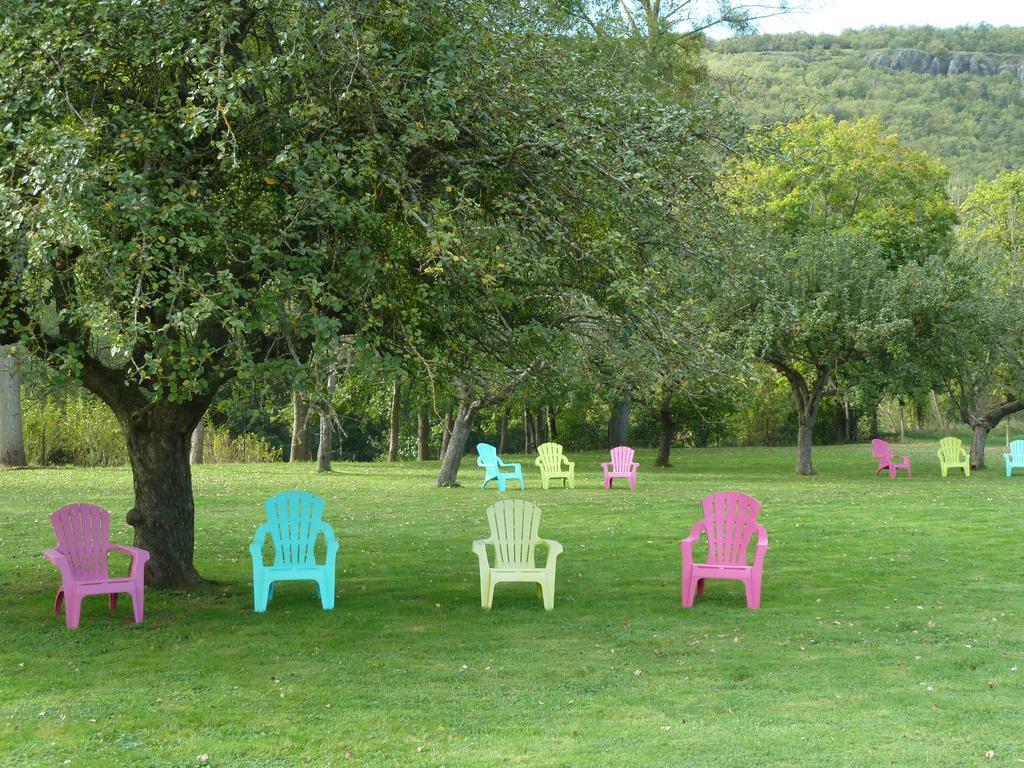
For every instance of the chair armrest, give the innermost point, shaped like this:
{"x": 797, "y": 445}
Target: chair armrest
{"x": 898, "y": 456}
{"x": 329, "y": 539}
{"x": 56, "y": 557}
{"x": 635, "y": 466}
{"x": 537, "y": 461}
{"x": 570, "y": 464}
{"x": 554, "y": 550}
{"x": 256, "y": 546}
{"x": 686, "y": 545}
{"x": 605, "y": 465}
{"x": 514, "y": 465}
{"x": 762, "y": 535}
{"x": 480, "y": 549}
{"x": 139, "y": 557}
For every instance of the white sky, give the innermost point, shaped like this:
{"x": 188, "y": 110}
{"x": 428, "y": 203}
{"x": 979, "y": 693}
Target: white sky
{"x": 834, "y": 16}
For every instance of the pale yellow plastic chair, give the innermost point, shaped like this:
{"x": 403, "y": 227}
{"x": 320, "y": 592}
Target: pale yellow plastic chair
{"x": 953, "y": 456}
{"x": 514, "y": 524}
{"x": 550, "y": 460}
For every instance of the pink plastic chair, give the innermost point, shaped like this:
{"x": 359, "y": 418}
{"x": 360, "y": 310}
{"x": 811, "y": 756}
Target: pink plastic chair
{"x": 83, "y": 543}
{"x": 621, "y": 465}
{"x": 730, "y": 521}
{"x": 882, "y": 451}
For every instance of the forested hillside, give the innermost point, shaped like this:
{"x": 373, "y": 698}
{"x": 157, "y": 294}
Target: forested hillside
{"x": 957, "y": 94}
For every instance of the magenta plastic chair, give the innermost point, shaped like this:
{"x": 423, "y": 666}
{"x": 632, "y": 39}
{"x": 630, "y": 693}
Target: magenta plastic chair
{"x": 882, "y": 451}
{"x": 730, "y": 521}
{"x": 621, "y": 465}
{"x": 83, "y": 543}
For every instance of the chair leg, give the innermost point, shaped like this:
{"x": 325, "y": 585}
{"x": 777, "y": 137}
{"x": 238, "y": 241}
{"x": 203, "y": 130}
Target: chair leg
{"x": 58, "y": 602}
{"x": 73, "y": 609}
{"x": 548, "y": 593}
{"x": 490, "y": 594}
{"x": 753, "y": 589}
{"x": 632, "y": 482}
{"x": 138, "y": 604}
{"x": 484, "y": 595}
{"x": 326, "y": 586}
{"x": 501, "y": 485}
{"x": 687, "y": 588}
{"x": 260, "y": 594}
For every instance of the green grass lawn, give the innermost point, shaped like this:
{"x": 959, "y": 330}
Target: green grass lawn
{"x": 891, "y": 631}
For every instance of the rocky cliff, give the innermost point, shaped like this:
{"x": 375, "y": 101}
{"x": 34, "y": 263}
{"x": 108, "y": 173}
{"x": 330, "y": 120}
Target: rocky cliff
{"x": 961, "y": 62}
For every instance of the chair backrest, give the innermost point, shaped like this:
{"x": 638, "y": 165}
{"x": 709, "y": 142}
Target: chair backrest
{"x": 730, "y": 518}
{"x": 487, "y": 455}
{"x": 880, "y": 449}
{"x": 294, "y": 519}
{"x": 1017, "y": 451}
{"x": 549, "y": 456}
{"x": 514, "y": 524}
{"x": 622, "y": 459}
{"x": 950, "y": 449}
{"x": 83, "y": 537}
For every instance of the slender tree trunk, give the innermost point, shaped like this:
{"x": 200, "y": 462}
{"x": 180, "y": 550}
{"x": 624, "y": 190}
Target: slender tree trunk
{"x": 195, "y": 455}
{"x": 446, "y": 434}
{"x": 503, "y": 432}
{"x": 163, "y": 516}
{"x": 396, "y": 412}
{"x": 552, "y": 425}
{"x": 538, "y": 428}
{"x": 423, "y": 434}
{"x": 667, "y": 432}
{"x": 618, "y": 424}
{"x": 807, "y": 399}
{"x": 448, "y": 475}
{"x": 300, "y": 448}
{"x": 530, "y": 435}
{"x": 903, "y": 425}
{"x": 12, "y": 435}
{"x": 323, "y": 449}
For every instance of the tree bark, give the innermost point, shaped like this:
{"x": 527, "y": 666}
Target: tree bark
{"x": 163, "y": 516}
{"x": 667, "y": 432}
{"x": 538, "y": 429}
{"x": 446, "y": 478}
{"x": 323, "y": 449}
{"x": 980, "y": 430}
{"x": 423, "y": 434}
{"x": 300, "y": 448}
{"x": 396, "y": 412}
{"x": 552, "y": 424}
{"x": 529, "y": 435}
{"x": 446, "y": 434}
{"x": 195, "y": 455}
{"x": 618, "y": 424}
{"x": 807, "y": 399}
{"x": 12, "y": 434}
{"x": 503, "y": 431}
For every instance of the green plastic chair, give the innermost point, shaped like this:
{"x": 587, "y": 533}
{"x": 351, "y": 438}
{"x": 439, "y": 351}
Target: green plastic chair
{"x": 952, "y": 456}
{"x": 514, "y": 524}
{"x": 550, "y": 460}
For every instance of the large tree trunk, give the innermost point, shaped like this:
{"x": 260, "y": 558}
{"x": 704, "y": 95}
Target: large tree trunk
{"x": 396, "y": 412}
{"x": 158, "y": 440}
{"x": 300, "y": 449}
{"x": 446, "y": 434}
{"x": 804, "y": 443}
{"x": 446, "y": 478}
{"x": 667, "y": 432}
{"x": 980, "y": 430}
{"x": 12, "y": 435}
{"x": 618, "y": 424}
{"x": 195, "y": 455}
{"x": 503, "y": 431}
{"x": 423, "y": 434}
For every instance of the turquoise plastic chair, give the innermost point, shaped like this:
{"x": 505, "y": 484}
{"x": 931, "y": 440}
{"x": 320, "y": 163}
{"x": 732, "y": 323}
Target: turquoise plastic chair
{"x": 1015, "y": 457}
{"x": 294, "y": 525}
{"x": 488, "y": 458}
